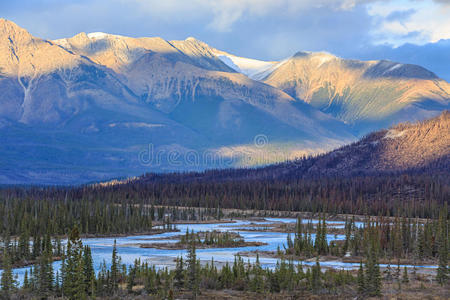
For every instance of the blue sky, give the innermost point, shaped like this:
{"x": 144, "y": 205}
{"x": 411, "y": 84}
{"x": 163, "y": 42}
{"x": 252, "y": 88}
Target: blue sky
{"x": 409, "y": 31}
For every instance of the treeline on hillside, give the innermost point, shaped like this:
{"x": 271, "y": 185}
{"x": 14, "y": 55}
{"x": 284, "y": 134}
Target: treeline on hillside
{"x": 130, "y": 207}
{"x": 410, "y": 195}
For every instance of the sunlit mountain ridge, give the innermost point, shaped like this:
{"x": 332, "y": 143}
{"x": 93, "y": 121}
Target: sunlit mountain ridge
{"x": 85, "y": 108}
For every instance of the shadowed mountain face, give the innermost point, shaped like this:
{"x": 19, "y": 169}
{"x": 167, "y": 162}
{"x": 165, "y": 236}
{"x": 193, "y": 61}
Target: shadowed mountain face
{"x": 97, "y": 105}
{"x": 414, "y": 148}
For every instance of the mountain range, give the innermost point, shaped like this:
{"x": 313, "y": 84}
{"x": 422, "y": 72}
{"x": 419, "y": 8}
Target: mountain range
{"x": 98, "y": 105}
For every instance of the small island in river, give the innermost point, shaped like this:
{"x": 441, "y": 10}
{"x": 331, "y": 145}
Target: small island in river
{"x": 203, "y": 240}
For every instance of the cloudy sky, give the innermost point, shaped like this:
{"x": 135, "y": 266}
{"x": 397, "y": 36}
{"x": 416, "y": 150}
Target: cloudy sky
{"x": 409, "y": 31}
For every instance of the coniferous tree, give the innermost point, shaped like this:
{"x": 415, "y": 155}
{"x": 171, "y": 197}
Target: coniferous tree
{"x": 316, "y": 282}
{"x": 361, "y": 280}
{"x": 26, "y": 284}
{"x": 36, "y": 252}
{"x": 72, "y": 273}
{"x": 149, "y": 284}
{"x": 373, "y": 276}
{"x": 7, "y": 281}
{"x": 192, "y": 268}
{"x": 131, "y": 278}
{"x": 46, "y": 276}
{"x": 88, "y": 269}
{"x": 179, "y": 272}
{"x": 257, "y": 282}
{"x": 24, "y": 241}
{"x": 57, "y": 284}
{"x": 114, "y": 269}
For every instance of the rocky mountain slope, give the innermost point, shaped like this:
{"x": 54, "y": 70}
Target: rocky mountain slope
{"x": 99, "y": 106}
{"x": 41, "y": 83}
{"x": 186, "y": 76}
{"x": 368, "y": 95}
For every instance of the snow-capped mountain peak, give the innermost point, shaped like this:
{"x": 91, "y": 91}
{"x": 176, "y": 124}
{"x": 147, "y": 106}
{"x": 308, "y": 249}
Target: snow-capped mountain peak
{"x": 253, "y": 68}
{"x": 98, "y": 35}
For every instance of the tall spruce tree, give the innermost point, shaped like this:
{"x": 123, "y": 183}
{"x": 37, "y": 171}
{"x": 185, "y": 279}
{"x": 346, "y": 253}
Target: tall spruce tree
{"x": 7, "y": 281}
{"x": 316, "y": 282}
{"x": 46, "y": 276}
{"x": 88, "y": 269}
{"x": 72, "y": 273}
{"x": 179, "y": 272}
{"x": 192, "y": 268}
{"x": 114, "y": 281}
{"x": 373, "y": 275}
{"x": 361, "y": 280}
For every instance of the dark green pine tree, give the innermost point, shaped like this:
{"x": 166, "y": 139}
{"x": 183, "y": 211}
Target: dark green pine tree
{"x": 373, "y": 275}
{"x": 316, "y": 282}
{"x": 274, "y": 282}
{"x": 192, "y": 268}
{"x": 24, "y": 241}
{"x": 72, "y": 271}
{"x": 323, "y": 239}
{"x": 88, "y": 269}
{"x": 361, "y": 280}
{"x": 179, "y": 272}
{"x": 7, "y": 281}
{"x": 57, "y": 284}
{"x": 257, "y": 284}
{"x": 317, "y": 240}
{"x": 320, "y": 243}
{"x": 150, "y": 285}
{"x": 114, "y": 284}
{"x": 131, "y": 280}
{"x": 26, "y": 283}
{"x": 46, "y": 276}
{"x": 36, "y": 252}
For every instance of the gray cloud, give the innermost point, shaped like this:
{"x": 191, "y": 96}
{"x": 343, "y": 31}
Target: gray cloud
{"x": 400, "y": 15}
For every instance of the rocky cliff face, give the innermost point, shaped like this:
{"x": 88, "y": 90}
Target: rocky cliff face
{"x": 42, "y": 83}
{"x": 366, "y": 95}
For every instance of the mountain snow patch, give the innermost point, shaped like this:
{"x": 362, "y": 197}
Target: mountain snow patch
{"x": 393, "y": 133}
{"x": 97, "y": 35}
{"x": 253, "y": 68}
{"x": 135, "y": 125}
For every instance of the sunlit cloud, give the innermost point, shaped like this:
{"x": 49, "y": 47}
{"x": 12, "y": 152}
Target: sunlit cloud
{"x": 418, "y": 22}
